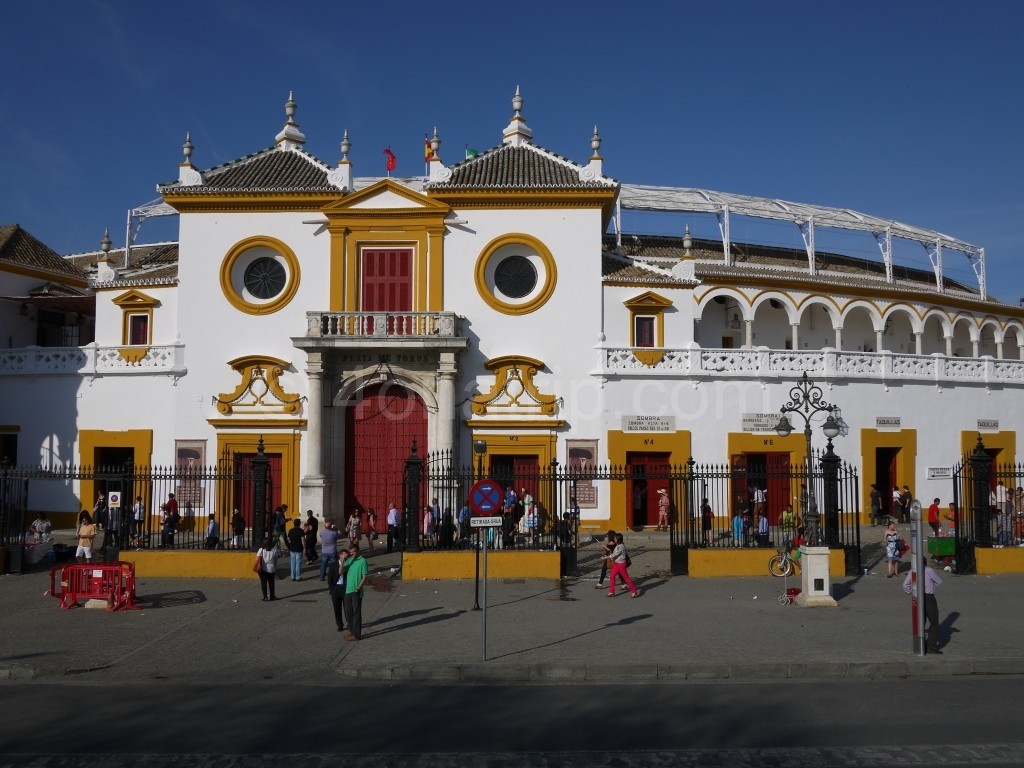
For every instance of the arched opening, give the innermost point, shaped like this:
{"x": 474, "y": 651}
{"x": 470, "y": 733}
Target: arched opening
{"x": 859, "y": 330}
{"x": 816, "y": 328}
{"x": 771, "y": 325}
{"x": 721, "y": 324}
{"x": 381, "y": 423}
{"x": 898, "y": 335}
{"x": 962, "y": 346}
{"x": 1012, "y": 339}
{"x": 933, "y": 338}
{"x": 987, "y": 340}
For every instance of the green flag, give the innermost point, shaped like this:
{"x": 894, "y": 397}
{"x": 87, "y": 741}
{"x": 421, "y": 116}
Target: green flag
{"x": 471, "y": 152}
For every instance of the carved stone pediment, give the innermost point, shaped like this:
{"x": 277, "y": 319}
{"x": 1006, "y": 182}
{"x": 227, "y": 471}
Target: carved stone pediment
{"x": 259, "y": 389}
{"x": 514, "y": 393}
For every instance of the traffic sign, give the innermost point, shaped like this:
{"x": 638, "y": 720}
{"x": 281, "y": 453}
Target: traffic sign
{"x": 485, "y": 522}
{"x": 485, "y": 497}
{"x": 114, "y": 499}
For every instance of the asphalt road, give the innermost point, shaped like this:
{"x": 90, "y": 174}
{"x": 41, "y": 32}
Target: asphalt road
{"x": 948, "y": 722}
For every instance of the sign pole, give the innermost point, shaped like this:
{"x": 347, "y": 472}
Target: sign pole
{"x": 917, "y": 565}
{"x": 484, "y": 615}
{"x": 476, "y": 587}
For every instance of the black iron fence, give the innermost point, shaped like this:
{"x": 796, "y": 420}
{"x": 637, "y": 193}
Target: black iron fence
{"x": 714, "y": 506}
{"x": 988, "y": 506}
{"x": 224, "y": 506}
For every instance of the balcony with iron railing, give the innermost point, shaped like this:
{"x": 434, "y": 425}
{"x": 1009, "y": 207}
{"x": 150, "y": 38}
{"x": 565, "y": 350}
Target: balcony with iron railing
{"x": 395, "y": 330}
{"x": 764, "y": 363}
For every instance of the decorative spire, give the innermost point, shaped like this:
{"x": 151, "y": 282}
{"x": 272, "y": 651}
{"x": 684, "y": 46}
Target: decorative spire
{"x": 341, "y": 177}
{"x": 687, "y": 240}
{"x": 345, "y": 146}
{"x": 105, "y": 243}
{"x": 595, "y": 143}
{"x": 517, "y": 133}
{"x": 186, "y": 148}
{"x": 435, "y": 144}
{"x": 105, "y": 271}
{"x": 290, "y": 136}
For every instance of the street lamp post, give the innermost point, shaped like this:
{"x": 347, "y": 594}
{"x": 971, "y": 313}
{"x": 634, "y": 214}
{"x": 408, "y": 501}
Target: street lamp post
{"x": 805, "y": 400}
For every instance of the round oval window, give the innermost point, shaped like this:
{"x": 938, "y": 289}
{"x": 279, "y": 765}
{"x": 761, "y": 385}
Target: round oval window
{"x": 515, "y": 276}
{"x": 265, "y": 278}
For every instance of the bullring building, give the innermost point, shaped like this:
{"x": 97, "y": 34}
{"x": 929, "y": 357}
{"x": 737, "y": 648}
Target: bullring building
{"x": 494, "y": 301}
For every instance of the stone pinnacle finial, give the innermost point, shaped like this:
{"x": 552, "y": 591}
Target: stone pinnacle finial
{"x": 187, "y": 147}
{"x": 345, "y": 146}
{"x": 517, "y": 103}
{"x": 290, "y": 136}
{"x": 435, "y": 142}
{"x": 105, "y": 242}
{"x": 595, "y": 142}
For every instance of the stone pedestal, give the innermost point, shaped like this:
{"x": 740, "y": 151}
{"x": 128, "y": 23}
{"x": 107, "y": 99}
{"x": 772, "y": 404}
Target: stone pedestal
{"x": 312, "y": 495}
{"x": 815, "y": 588}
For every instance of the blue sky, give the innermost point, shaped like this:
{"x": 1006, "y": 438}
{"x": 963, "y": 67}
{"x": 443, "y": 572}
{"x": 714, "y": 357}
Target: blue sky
{"x": 905, "y": 110}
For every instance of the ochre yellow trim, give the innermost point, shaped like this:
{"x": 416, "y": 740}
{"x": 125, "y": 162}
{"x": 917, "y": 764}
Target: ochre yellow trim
{"x": 601, "y": 197}
{"x": 550, "y": 276}
{"x": 541, "y": 445}
{"x": 547, "y": 424}
{"x": 989, "y": 561}
{"x": 1005, "y": 441}
{"x": 419, "y": 226}
{"x": 250, "y": 202}
{"x": 259, "y": 368}
{"x": 133, "y": 303}
{"x": 461, "y": 565}
{"x": 282, "y": 299}
{"x": 132, "y": 355}
{"x": 509, "y": 370}
{"x": 139, "y": 440}
{"x": 906, "y": 463}
{"x": 257, "y": 423}
{"x": 764, "y": 442}
{"x": 676, "y": 444}
{"x": 900, "y": 296}
{"x": 41, "y": 274}
{"x": 716, "y": 563}
{"x": 287, "y": 444}
{"x": 192, "y": 564}
{"x": 648, "y": 304}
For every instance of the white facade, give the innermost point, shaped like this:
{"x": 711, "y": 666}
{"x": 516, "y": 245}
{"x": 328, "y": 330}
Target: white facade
{"x": 913, "y": 370}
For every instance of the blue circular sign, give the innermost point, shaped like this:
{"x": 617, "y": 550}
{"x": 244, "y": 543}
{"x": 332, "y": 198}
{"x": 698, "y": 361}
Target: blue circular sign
{"x": 485, "y": 497}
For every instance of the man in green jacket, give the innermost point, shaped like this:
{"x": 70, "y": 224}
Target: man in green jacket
{"x": 353, "y": 566}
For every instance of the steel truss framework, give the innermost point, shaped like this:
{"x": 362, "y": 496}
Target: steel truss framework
{"x": 806, "y": 217}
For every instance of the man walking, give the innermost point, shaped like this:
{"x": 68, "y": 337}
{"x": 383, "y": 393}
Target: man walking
{"x": 931, "y": 606}
{"x": 336, "y": 591}
{"x": 394, "y": 524}
{"x": 354, "y": 570}
{"x": 296, "y": 543}
{"x": 328, "y": 547}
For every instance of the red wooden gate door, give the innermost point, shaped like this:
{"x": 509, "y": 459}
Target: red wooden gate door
{"x": 379, "y": 431}
{"x": 244, "y": 500}
{"x": 647, "y": 473}
{"x": 778, "y": 486}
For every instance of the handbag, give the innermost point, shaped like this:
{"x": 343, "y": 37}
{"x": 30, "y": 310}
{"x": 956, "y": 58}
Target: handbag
{"x": 629, "y": 562}
{"x": 257, "y": 567}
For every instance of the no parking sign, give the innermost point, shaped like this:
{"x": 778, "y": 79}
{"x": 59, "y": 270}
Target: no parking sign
{"x": 114, "y": 500}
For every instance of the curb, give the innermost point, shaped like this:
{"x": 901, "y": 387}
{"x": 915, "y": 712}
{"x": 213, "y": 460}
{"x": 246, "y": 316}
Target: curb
{"x": 679, "y": 673}
{"x": 17, "y": 672}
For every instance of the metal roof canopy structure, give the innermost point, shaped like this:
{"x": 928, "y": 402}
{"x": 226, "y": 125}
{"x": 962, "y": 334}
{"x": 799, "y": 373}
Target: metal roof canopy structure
{"x": 806, "y": 217}
{"x": 152, "y": 209}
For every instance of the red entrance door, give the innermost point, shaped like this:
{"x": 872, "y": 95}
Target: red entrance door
{"x": 244, "y": 497}
{"x": 379, "y": 431}
{"x": 647, "y": 472}
{"x": 387, "y": 284}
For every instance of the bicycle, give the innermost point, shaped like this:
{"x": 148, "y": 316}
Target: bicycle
{"x": 783, "y": 564}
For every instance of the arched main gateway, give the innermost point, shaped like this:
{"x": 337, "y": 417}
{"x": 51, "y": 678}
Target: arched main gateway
{"x": 381, "y": 424}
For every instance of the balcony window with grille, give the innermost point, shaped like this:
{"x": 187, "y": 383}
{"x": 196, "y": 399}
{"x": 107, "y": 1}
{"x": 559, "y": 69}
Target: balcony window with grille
{"x": 138, "y": 330}
{"x": 644, "y": 331}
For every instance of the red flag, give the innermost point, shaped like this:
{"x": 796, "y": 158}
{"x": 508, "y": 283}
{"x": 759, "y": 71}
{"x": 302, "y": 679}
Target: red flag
{"x": 392, "y": 160}
{"x": 428, "y": 153}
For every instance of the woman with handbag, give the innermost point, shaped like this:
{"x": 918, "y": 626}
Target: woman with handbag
{"x": 620, "y": 563}
{"x": 266, "y": 566}
{"x": 606, "y": 558}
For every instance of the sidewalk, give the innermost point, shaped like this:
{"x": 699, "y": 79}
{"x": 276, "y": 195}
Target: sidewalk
{"x": 679, "y": 629}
